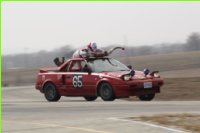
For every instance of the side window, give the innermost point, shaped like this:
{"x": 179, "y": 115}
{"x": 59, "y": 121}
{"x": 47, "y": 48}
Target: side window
{"x": 75, "y": 66}
{"x": 84, "y": 66}
{"x": 83, "y": 63}
{"x": 65, "y": 68}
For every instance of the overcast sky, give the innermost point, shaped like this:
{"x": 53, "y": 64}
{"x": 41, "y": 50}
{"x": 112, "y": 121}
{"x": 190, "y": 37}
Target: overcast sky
{"x": 33, "y": 26}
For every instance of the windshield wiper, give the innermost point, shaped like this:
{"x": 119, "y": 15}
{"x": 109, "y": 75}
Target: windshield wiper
{"x": 105, "y": 71}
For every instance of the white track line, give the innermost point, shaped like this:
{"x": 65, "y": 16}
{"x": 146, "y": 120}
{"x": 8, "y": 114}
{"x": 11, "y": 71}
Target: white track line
{"x": 148, "y": 124}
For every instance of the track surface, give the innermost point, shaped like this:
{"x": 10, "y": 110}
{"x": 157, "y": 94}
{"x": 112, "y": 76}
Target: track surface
{"x": 25, "y": 110}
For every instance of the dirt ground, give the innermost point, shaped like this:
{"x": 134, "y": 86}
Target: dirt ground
{"x": 190, "y": 122}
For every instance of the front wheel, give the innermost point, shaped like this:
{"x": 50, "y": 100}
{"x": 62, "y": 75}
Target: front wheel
{"x": 51, "y": 93}
{"x": 106, "y": 92}
{"x": 146, "y": 97}
{"x": 90, "y": 98}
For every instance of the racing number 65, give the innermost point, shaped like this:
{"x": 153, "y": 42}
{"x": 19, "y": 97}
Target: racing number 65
{"x": 77, "y": 81}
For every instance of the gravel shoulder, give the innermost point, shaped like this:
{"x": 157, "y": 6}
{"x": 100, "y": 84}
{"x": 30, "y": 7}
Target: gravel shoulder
{"x": 185, "y": 121}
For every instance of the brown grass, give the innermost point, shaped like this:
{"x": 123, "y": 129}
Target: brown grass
{"x": 185, "y": 121}
{"x": 19, "y": 77}
{"x": 178, "y": 89}
{"x": 165, "y": 62}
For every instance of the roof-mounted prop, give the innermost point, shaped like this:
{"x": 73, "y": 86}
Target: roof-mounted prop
{"x": 58, "y": 62}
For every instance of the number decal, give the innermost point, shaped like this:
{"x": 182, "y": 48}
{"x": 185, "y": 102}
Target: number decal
{"x": 77, "y": 81}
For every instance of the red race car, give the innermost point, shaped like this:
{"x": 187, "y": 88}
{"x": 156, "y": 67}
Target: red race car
{"x": 93, "y": 77}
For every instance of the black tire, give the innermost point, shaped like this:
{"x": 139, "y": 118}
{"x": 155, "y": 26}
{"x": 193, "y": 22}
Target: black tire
{"x": 106, "y": 92}
{"x": 90, "y": 98}
{"x": 146, "y": 97}
{"x": 51, "y": 93}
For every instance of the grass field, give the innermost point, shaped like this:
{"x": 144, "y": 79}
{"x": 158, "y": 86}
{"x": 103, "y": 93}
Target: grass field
{"x": 165, "y": 62}
{"x": 178, "y": 89}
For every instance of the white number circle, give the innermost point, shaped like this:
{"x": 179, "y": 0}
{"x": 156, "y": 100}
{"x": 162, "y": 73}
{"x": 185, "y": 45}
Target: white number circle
{"x": 77, "y": 81}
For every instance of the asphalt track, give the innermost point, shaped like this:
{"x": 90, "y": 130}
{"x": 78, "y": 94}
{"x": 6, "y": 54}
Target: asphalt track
{"x": 25, "y": 110}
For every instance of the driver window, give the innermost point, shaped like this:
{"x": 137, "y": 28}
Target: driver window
{"x": 83, "y": 66}
{"x": 65, "y": 68}
{"x": 83, "y": 63}
{"x": 75, "y": 67}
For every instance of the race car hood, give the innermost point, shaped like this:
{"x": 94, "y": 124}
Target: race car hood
{"x": 115, "y": 73}
{"x": 120, "y": 73}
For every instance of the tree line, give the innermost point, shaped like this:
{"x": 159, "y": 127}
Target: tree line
{"x": 44, "y": 58}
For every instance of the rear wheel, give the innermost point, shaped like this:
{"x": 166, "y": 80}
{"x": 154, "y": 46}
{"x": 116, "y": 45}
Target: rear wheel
{"x": 51, "y": 93}
{"x": 146, "y": 97}
{"x": 106, "y": 92}
{"x": 90, "y": 98}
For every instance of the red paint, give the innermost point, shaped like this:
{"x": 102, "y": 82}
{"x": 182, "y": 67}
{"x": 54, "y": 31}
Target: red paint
{"x": 62, "y": 78}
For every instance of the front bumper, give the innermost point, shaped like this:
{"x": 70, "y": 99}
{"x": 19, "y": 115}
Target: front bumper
{"x": 136, "y": 88}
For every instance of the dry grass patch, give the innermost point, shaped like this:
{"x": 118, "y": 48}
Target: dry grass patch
{"x": 185, "y": 121}
{"x": 17, "y": 77}
{"x": 165, "y": 62}
{"x": 178, "y": 89}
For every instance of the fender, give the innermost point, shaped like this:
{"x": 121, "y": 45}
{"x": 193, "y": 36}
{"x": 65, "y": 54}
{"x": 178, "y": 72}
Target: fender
{"x": 110, "y": 79}
{"x": 47, "y": 80}
{"x": 107, "y": 80}
{"x": 99, "y": 82}
{"x": 102, "y": 80}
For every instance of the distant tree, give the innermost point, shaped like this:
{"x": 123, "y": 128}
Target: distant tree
{"x": 193, "y": 42}
{"x": 45, "y": 58}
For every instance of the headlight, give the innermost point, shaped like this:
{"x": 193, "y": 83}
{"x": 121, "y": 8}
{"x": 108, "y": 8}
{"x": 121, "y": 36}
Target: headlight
{"x": 127, "y": 77}
{"x": 146, "y": 71}
{"x": 156, "y": 75}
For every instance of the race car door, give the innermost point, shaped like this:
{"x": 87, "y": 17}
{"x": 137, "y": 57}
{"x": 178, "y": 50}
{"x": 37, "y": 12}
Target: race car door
{"x": 80, "y": 83}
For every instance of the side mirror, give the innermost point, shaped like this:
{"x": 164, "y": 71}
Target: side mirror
{"x": 129, "y": 66}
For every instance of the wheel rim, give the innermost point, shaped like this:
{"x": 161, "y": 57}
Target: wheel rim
{"x": 50, "y": 92}
{"x": 146, "y": 96}
{"x": 106, "y": 93}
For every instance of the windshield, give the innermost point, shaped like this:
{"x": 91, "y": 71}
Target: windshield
{"x": 106, "y": 65}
